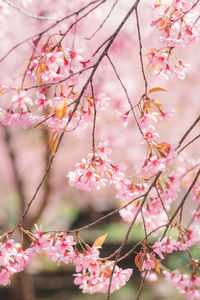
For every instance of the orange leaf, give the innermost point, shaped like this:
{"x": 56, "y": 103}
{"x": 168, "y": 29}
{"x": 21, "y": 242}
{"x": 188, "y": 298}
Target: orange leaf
{"x": 147, "y": 107}
{"x": 62, "y": 88}
{"x": 39, "y": 79}
{"x": 53, "y": 142}
{"x": 99, "y": 241}
{"x": 162, "y": 23}
{"x": 139, "y": 261}
{"x": 185, "y": 183}
{"x": 158, "y": 103}
{"x": 156, "y": 262}
{"x": 61, "y": 109}
{"x": 157, "y": 89}
{"x": 41, "y": 68}
{"x": 164, "y": 146}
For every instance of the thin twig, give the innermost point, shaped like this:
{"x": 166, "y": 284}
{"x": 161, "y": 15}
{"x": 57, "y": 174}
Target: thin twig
{"x": 193, "y": 217}
{"x": 126, "y": 93}
{"x": 140, "y": 51}
{"x": 194, "y": 139}
{"x": 180, "y": 206}
{"x": 79, "y": 19}
{"x": 106, "y": 216}
{"x": 27, "y": 13}
{"x": 162, "y": 203}
{"x": 104, "y": 21}
{"x": 57, "y": 82}
{"x": 94, "y": 120}
{"x": 30, "y": 61}
{"x": 141, "y": 286}
{"x": 187, "y": 132}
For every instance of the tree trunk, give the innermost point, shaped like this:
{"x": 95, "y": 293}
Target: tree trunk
{"x": 22, "y": 287}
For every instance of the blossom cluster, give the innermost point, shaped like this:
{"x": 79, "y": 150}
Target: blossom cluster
{"x": 92, "y": 272}
{"x": 52, "y": 63}
{"x": 186, "y": 239}
{"x": 178, "y": 24}
{"x": 96, "y": 171}
{"x": 157, "y": 205}
{"x": 57, "y": 71}
{"x": 13, "y": 259}
{"x": 187, "y": 284}
{"x": 165, "y": 64}
{"x": 177, "y": 21}
{"x": 146, "y": 261}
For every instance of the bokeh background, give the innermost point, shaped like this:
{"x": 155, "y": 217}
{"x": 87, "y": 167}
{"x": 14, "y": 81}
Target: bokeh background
{"x": 24, "y": 153}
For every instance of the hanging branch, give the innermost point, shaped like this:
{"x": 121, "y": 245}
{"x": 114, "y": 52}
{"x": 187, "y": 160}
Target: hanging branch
{"x": 49, "y": 28}
{"x": 104, "y": 21}
{"x": 187, "y": 132}
{"x": 140, "y": 51}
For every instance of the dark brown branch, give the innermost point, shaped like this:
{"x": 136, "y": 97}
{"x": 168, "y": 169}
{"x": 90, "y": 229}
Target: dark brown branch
{"x": 103, "y": 54}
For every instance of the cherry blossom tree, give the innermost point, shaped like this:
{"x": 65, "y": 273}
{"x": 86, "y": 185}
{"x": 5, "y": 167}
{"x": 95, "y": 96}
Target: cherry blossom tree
{"x": 116, "y": 79}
